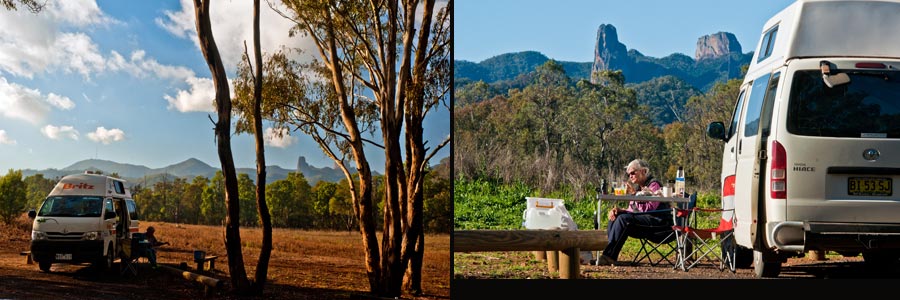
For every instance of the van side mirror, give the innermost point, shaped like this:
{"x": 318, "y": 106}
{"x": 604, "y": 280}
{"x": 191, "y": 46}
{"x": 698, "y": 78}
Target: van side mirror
{"x": 110, "y": 215}
{"x": 716, "y": 130}
{"x": 32, "y": 213}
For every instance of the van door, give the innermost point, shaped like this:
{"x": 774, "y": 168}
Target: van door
{"x": 134, "y": 224}
{"x": 729, "y": 155}
{"x": 747, "y": 168}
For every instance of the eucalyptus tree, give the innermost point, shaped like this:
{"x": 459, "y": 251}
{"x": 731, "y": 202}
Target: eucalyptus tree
{"x": 32, "y": 5}
{"x": 372, "y": 72}
{"x": 239, "y": 282}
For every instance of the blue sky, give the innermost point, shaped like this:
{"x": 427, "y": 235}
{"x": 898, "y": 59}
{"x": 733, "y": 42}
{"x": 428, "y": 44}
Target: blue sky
{"x": 566, "y": 30}
{"x": 125, "y": 81}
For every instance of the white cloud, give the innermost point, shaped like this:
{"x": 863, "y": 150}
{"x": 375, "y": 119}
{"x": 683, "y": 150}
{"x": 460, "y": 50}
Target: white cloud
{"x": 101, "y": 135}
{"x": 55, "y": 133}
{"x": 80, "y": 54}
{"x": 81, "y": 13}
{"x": 61, "y": 102}
{"x": 5, "y": 140}
{"x": 278, "y": 137}
{"x": 199, "y": 98}
{"x": 232, "y": 25}
{"x": 34, "y": 43}
{"x": 18, "y": 102}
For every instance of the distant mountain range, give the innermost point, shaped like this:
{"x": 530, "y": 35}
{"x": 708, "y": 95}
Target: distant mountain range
{"x": 187, "y": 169}
{"x": 718, "y": 57}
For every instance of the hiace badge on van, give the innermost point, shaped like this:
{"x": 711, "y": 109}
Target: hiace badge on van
{"x": 812, "y": 153}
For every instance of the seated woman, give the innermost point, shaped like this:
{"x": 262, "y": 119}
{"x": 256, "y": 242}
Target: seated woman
{"x": 153, "y": 244}
{"x": 623, "y": 222}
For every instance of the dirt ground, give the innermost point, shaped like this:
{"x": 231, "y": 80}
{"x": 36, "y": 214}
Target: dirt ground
{"x": 523, "y": 265}
{"x": 303, "y": 266}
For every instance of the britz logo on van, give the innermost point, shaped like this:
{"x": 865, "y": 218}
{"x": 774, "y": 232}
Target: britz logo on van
{"x": 83, "y": 186}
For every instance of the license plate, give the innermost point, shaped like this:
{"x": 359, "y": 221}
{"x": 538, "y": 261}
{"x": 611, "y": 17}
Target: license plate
{"x": 64, "y": 256}
{"x": 869, "y": 186}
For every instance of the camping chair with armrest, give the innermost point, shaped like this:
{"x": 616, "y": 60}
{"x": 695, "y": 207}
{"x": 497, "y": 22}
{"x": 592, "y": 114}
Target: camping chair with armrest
{"x": 137, "y": 248}
{"x": 704, "y": 238}
{"x": 661, "y": 243}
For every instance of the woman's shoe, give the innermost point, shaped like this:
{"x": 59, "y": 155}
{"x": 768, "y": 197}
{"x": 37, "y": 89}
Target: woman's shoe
{"x": 604, "y": 260}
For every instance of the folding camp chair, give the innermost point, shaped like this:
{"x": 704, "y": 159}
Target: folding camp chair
{"x": 700, "y": 239}
{"x": 658, "y": 246}
{"x": 133, "y": 251}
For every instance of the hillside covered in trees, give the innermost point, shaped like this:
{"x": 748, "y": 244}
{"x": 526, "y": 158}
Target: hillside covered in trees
{"x": 556, "y": 133}
{"x": 293, "y": 201}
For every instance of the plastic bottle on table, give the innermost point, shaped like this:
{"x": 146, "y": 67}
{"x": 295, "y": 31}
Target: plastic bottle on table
{"x": 679, "y": 182}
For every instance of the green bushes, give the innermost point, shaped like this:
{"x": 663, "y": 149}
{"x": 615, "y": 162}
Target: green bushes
{"x": 482, "y": 204}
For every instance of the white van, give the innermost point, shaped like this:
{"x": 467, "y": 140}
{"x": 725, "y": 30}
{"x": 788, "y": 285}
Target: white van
{"x": 85, "y": 219}
{"x": 812, "y": 153}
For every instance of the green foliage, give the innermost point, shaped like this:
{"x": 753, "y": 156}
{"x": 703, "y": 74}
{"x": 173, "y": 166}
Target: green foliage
{"x": 438, "y": 206}
{"x": 12, "y": 195}
{"x": 482, "y": 204}
{"x": 37, "y": 189}
{"x": 212, "y": 205}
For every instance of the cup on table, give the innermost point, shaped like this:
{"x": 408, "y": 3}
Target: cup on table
{"x": 666, "y": 192}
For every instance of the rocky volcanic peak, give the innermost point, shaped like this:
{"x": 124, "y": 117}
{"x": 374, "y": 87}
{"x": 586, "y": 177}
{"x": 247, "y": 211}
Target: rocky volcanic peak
{"x": 716, "y": 45}
{"x": 609, "y": 53}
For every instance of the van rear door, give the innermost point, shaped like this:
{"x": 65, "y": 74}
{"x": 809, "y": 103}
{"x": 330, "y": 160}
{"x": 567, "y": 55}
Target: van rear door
{"x": 843, "y": 144}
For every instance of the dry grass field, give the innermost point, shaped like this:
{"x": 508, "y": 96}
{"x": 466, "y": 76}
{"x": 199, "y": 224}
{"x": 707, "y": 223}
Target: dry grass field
{"x": 303, "y": 265}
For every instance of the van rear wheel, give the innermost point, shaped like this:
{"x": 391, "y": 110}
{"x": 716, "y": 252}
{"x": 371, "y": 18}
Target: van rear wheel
{"x": 883, "y": 259}
{"x": 766, "y": 264}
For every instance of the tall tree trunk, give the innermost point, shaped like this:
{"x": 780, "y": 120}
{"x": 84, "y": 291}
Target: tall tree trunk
{"x": 262, "y": 266}
{"x": 414, "y": 237}
{"x": 392, "y": 97}
{"x": 363, "y": 202}
{"x": 239, "y": 282}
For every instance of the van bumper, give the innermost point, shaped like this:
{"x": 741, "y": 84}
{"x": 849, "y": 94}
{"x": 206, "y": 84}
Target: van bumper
{"x": 81, "y": 251}
{"x": 804, "y": 236}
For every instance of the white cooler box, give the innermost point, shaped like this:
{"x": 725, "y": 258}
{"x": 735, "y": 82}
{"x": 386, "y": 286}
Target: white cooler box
{"x": 547, "y": 213}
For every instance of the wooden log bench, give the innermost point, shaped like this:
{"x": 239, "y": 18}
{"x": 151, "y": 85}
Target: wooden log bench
{"x": 568, "y": 243}
{"x": 209, "y": 260}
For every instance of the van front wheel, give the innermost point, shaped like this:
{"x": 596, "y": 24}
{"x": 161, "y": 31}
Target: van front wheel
{"x": 766, "y": 264}
{"x": 106, "y": 262}
{"x": 45, "y": 266}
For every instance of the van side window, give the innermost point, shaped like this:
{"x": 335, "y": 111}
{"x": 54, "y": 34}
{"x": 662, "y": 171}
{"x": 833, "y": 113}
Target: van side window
{"x": 132, "y": 210}
{"x": 735, "y": 117}
{"x": 108, "y": 206}
{"x": 757, "y": 93}
{"x": 766, "y": 116}
{"x": 120, "y": 188}
{"x": 768, "y": 42}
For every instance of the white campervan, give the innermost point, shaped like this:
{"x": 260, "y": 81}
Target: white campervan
{"x": 86, "y": 218}
{"x": 812, "y": 153}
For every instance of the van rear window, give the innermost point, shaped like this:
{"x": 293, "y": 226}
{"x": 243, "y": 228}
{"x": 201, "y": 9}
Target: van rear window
{"x": 868, "y": 106}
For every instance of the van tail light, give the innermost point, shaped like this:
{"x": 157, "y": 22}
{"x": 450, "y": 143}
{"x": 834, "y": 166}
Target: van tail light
{"x": 778, "y": 179}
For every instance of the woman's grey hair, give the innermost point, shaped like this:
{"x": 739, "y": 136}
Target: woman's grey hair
{"x": 638, "y": 164}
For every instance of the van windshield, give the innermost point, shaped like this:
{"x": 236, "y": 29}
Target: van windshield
{"x": 868, "y": 106}
{"x": 71, "y": 206}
